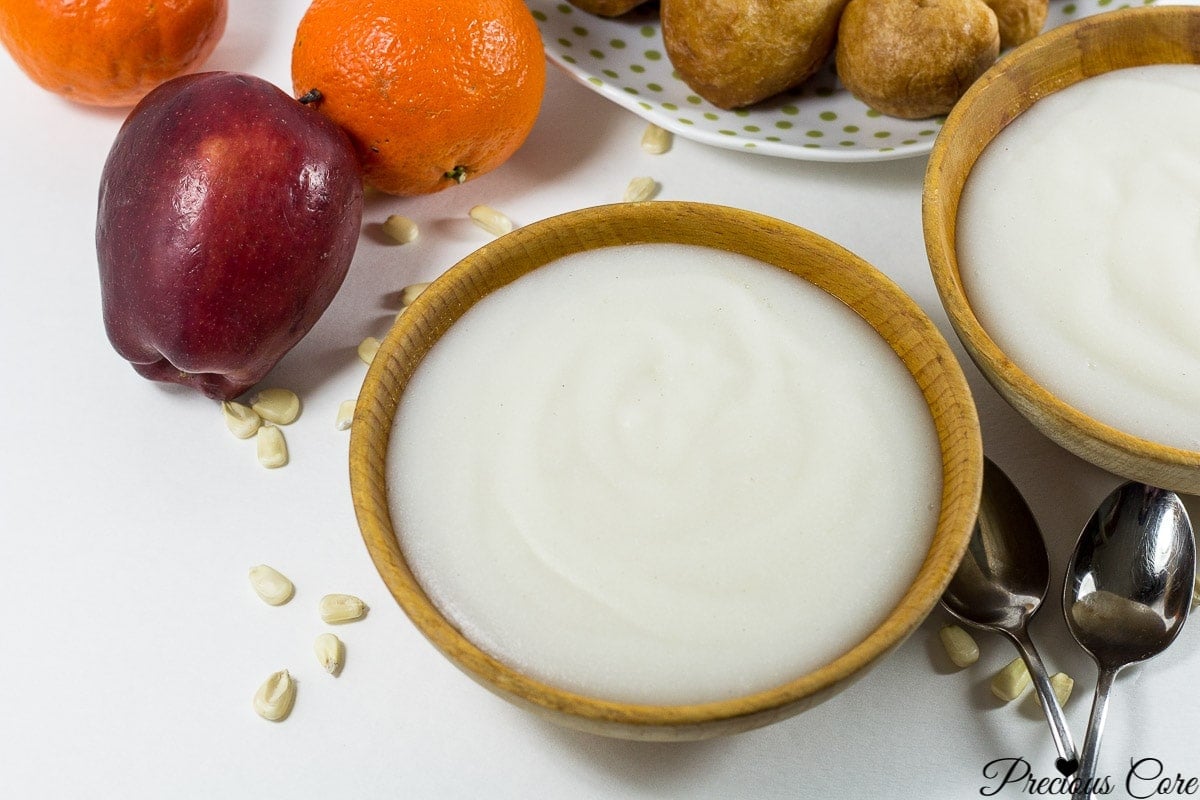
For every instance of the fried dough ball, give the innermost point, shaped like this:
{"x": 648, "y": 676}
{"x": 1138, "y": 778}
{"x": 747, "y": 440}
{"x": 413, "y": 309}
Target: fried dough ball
{"x": 607, "y": 8}
{"x": 914, "y": 58}
{"x": 1020, "y": 20}
{"x": 734, "y": 53}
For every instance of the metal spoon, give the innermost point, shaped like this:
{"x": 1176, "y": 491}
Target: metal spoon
{"x": 1001, "y": 583}
{"x": 1127, "y": 592}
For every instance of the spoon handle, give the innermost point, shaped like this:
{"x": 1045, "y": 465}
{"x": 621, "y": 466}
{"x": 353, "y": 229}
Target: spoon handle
{"x": 1091, "y": 741}
{"x": 1068, "y": 760}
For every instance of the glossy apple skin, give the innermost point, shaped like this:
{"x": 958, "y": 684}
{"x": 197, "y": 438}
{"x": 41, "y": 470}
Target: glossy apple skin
{"x": 228, "y": 217}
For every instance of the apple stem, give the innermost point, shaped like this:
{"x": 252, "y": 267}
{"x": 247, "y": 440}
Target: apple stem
{"x": 458, "y": 174}
{"x": 311, "y": 96}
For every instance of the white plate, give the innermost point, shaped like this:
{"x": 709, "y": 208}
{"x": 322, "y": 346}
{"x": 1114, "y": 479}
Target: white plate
{"x": 624, "y": 60}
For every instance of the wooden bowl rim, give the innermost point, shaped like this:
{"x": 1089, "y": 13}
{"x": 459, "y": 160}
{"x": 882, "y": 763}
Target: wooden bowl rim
{"x": 959, "y": 440}
{"x": 941, "y": 243}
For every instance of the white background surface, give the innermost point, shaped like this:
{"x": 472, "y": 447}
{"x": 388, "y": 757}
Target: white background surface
{"x": 131, "y": 642}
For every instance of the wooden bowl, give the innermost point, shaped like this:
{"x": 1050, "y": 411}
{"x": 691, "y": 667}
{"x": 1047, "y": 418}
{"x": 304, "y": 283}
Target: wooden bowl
{"x": 879, "y": 301}
{"x": 1053, "y": 61}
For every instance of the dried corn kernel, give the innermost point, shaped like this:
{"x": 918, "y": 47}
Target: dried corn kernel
{"x": 1010, "y": 681}
{"x": 272, "y": 449}
{"x": 491, "y": 220}
{"x": 330, "y": 652}
{"x": 656, "y": 140}
{"x": 640, "y": 189}
{"x": 1196, "y": 592}
{"x": 402, "y": 229}
{"x": 1061, "y": 684}
{"x": 960, "y": 646}
{"x": 242, "y": 421}
{"x": 342, "y": 608}
{"x": 274, "y": 699}
{"x": 367, "y": 349}
{"x": 280, "y": 406}
{"x": 411, "y": 292}
{"x": 345, "y": 415}
{"x": 271, "y": 585}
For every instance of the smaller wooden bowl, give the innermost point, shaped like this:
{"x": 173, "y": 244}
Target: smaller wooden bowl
{"x": 1049, "y": 63}
{"x": 880, "y": 302}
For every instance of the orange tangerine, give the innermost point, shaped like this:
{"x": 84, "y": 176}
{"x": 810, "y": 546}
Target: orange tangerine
{"x": 431, "y": 92}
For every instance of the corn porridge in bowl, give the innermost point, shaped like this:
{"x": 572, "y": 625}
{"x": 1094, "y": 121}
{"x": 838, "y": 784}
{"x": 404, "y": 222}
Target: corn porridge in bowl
{"x": 1060, "y": 213}
{"x": 665, "y": 470}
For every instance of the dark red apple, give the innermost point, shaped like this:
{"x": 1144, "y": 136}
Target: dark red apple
{"x": 229, "y": 213}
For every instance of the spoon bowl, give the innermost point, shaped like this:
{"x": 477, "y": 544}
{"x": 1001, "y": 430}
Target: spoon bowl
{"x": 1000, "y": 584}
{"x": 1005, "y": 572}
{"x": 1128, "y": 591}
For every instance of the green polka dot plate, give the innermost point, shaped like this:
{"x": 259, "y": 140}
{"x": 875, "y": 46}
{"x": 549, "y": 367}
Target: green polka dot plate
{"x": 623, "y": 59}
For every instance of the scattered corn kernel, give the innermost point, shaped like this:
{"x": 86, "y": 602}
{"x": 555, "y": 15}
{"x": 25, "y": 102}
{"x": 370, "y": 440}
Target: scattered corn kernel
{"x": 342, "y": 608}
{"x": 960, "y": 646}
{"x": 271, "y": 585}
{"x": 272, "y": 449}
{"x": 345, "y": 415}
{"x": 402, "y": 229}
{"x": 1010, "y": 681}
{"x": 491, "y": 220}
{"x": 330, "y": 652}
{"x": 242, "y": 421}
{"x": 367, "y": 349}
{"x": 274, "y": 699}
{"x": 656, "y": 140}
{"x": 280, "y": 406}
{"x": 1061, "y": 684}
{"x": 411, "y": 292}
{"x": 640, "y": 189}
